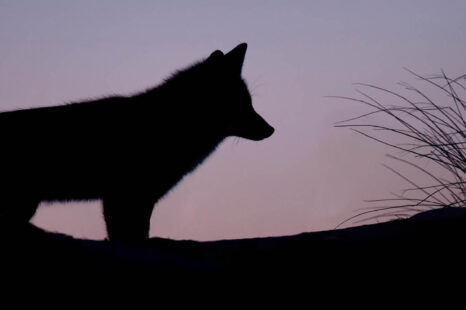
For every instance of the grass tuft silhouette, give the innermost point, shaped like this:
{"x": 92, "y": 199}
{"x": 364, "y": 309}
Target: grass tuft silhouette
{"x": 427, "y": 126}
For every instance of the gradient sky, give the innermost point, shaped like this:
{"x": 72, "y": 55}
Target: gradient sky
{"x": 309, "y": 175}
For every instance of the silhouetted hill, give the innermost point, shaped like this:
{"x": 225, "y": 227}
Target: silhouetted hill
{"x": 426, "y": 246}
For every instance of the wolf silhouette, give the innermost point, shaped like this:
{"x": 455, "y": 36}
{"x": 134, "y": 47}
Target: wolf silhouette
{"x": 126, "y": 150}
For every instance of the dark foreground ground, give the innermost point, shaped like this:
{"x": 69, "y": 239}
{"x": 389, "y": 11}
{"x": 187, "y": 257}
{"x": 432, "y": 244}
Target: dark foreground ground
{"x": 427, "y": 249}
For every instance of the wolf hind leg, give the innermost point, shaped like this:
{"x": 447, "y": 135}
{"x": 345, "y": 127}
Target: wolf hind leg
{"x": 18, "y": 208}
{"x": 127, "y": 218}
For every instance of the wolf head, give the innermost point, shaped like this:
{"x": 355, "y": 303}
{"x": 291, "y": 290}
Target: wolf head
{"x": 220, "y": 101}
{"x": 238, "y": 115}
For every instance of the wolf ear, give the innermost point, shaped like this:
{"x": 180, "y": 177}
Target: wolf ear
{"x": 215, "y": 56}
{"x": 235, "y": 58}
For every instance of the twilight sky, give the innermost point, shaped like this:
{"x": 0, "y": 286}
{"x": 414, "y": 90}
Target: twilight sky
{"x": 309, "y": 175}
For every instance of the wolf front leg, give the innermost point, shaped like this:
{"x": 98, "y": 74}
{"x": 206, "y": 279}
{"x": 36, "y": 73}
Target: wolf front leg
{"x": 127, "y": 217}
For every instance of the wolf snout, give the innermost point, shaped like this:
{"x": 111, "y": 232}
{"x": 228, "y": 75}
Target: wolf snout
{"x": 256, "y": 129}
{"x": 269, "y": 130}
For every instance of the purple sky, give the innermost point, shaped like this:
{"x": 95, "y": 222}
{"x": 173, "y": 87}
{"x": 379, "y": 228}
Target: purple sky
{"x": 308, "y": 176}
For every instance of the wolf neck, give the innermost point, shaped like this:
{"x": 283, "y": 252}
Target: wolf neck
{"x": 187, "y": 141}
